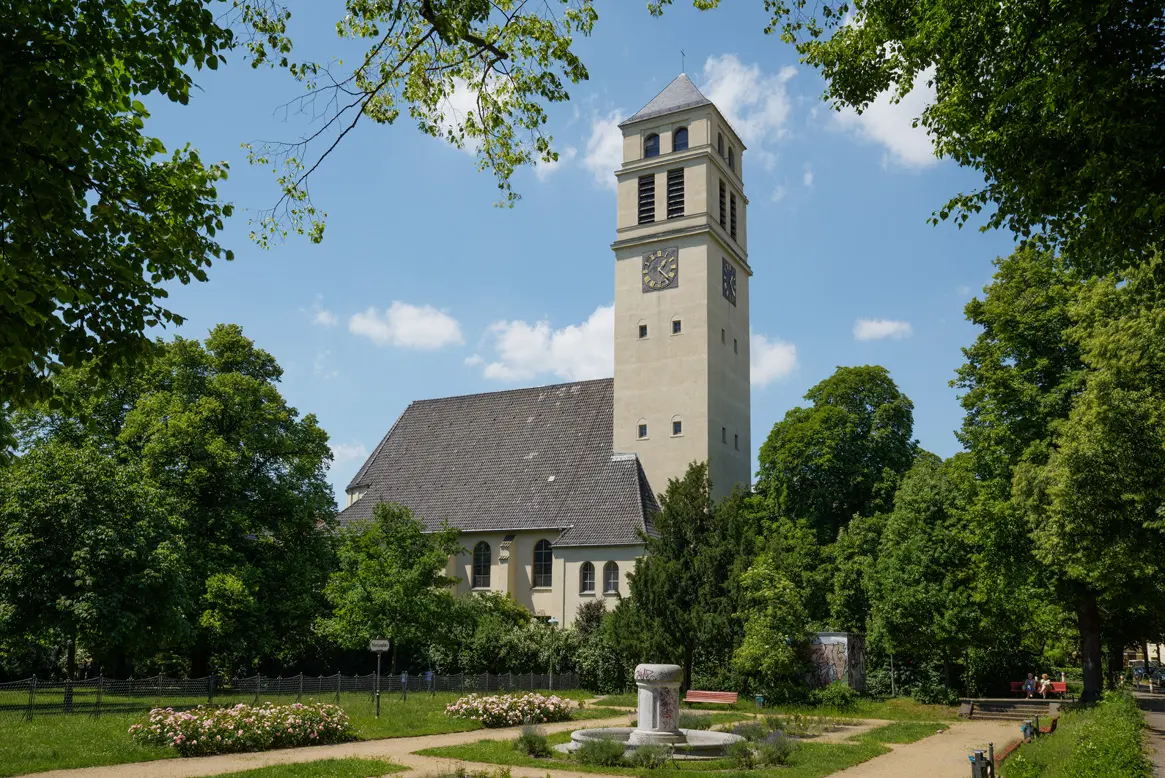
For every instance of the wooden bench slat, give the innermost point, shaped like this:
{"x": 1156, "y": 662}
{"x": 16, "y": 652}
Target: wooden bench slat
{"x": 722, "y": 698}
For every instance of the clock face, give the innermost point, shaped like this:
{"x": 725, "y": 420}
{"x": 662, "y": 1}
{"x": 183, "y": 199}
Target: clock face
{"x": 661, "y": 270}
{"x": 729, "y": 282}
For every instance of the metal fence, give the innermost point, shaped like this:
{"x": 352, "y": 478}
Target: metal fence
{"x": 99, "y": 696}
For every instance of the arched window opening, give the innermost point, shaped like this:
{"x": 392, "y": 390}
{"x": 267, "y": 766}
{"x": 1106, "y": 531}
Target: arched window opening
{"x": 481, "y": 565}
{"x": 610, "y": 578}
{"x": 680, "y": 139}
{"x": 586, "y": 578}
{"x": 720, "y": 144}
{"x": 651, "y": 145}
{"x": 543, "y": 564}
{"x": 732, "y": 159}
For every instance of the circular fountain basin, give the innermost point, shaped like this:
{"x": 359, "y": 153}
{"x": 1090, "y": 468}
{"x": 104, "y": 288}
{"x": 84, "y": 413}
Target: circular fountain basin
{"x": 689, "y": 744}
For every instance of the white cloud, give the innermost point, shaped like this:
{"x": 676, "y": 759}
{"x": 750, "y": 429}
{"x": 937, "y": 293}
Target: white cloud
{"x": 544, "y": 170}
{"x": 755, "y": 103}
{"x": 780, "y": 193}
{"x": 604, "y": 152}
{"x": 474, "y": 359}
{"x": 455, "y": 109}
{"x": 349, "y": 452}
{"x": 807, "y": 176}
{"x": 574, "y": 353}
{"x": 320, "y": 366}
{"x": 880, "y": 329}
{"x": 320, "y": 316}
{"x": 770, "y": 360}
{"x": 407, "y": 326}
{"x": 890, "y": 124}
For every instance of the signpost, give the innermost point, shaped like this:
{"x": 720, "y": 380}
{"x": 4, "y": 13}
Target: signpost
{"x": 378, "y": 647}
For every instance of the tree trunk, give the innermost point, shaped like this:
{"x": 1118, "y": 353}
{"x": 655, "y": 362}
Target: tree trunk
{"x": 689, "y": 655}
{"x": 1116, "y": 650}
{"x": 1088, "y": 622}
{"x": 946, "y": 671}
{"x": 1145, "y": 653}
{"x": 70, "y": 672}
{"x": 200, "y": 661}
{"x": 394, "y": 648}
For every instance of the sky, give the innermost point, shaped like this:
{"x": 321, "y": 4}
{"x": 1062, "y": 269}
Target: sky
{"x": 423, "y": 288}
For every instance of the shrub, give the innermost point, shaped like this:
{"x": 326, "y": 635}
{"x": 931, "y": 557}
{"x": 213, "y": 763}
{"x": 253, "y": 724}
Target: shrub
{"x": 741, "y": 755}
{"x": 223, "y": 730}
{"x": 689, "y": 720}
{"x": 601, "y": 752}
{"x": 532, "y": 742}
{"x": 461, "y": 772}
{"x": 510, "y": 710}
{"x": 651, "y": 757}
{"x": 751, "y": 730}
{"x": 837, "y": 695}
{"x": 775, "y": 749}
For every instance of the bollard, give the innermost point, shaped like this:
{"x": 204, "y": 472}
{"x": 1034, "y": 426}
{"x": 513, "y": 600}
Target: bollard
{"x": 991, "y": 758}
{"x": 978, "y": 764}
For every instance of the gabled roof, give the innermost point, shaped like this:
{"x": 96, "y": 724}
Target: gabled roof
{"x": 679, "y": 95}
{"x": 526, "y": 459}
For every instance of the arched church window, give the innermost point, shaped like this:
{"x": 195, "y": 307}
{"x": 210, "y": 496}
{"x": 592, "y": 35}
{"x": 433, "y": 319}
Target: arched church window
{"x": 680, "y": 139}
{"x": 543, "y": 564}
{"x": 481, "y": 565}
{"x": 586, "y": 578}
{"x": 610, "y": 578}
{"x": 651, "y": 145}
{"x": 720, "y": 144}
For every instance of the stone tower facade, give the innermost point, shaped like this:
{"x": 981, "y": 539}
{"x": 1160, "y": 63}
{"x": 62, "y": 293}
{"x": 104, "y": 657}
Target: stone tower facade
{"x": 681, "y": 390}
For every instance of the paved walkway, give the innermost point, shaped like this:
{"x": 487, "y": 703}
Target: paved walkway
{"x": 938, "y": 756}
{"x": 1154, "y": 707}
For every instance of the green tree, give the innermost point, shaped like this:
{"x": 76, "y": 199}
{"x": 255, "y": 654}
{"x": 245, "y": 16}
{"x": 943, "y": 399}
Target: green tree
{"x": 1051, "y": 105}
{"x": 90, "y": 556}
{"x": 854, "y": 555}
{"x": 679, "y": 587}
{"x": 923, "y": 582}
{"x": 775, "y": 626}
{"x": 390, "y": 582}
{"x": 842, "y": 456}
{"x": 98, "y": 219}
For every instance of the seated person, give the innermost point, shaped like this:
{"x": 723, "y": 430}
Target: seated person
{"x": 1045, "y": 685}
{"x": 1029, "y": 686}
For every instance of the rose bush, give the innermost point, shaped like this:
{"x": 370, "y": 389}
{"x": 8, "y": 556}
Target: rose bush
{"x": 214, "y": 730}
{"x": 510, "y": 710}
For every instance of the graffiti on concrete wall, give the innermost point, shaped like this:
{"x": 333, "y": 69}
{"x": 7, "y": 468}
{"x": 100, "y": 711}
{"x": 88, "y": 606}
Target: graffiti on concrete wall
{"x": 837, "y": 656}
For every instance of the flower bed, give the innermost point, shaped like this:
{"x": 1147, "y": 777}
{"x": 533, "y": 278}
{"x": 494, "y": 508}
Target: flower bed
{"x": 212, "y": 730}
{"x": 510, "y": 710}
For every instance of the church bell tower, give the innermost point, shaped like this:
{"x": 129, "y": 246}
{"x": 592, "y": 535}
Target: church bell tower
{"x": 681, "y": 292}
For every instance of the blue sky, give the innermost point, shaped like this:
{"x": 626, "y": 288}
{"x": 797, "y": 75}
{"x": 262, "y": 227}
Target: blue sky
{"x": 423, "y": 288}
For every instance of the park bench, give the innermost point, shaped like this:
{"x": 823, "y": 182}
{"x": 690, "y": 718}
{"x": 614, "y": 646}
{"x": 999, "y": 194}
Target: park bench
{"x": 1058, "y": 687}
{"x": 716, "y": 698}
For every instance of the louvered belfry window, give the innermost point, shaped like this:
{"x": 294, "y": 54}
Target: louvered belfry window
{"x": 675, "y": 193}
{"x": 732, "y": 216}
{"x": 646, "y": 199}
{"x": 723, "y": 206}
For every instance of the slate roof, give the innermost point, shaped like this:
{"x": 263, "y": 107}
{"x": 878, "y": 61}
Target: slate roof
{"x": 679, "y": 95}
{"x": 524, "y": 459}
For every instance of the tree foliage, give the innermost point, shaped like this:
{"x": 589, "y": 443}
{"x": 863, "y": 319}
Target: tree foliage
{"x": 97, "y": 217}
{"x": 842, "y": 456}
{"x": 1052, "y": 105}
{"x": 390, "y": 581}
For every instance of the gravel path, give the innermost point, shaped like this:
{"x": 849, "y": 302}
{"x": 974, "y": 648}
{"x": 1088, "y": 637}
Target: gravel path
{"x": 938, "y": 756}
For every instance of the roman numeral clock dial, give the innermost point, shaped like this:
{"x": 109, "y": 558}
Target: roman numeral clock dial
{"x": 661, "y": 270}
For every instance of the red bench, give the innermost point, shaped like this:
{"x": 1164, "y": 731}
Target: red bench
{"x": 1058, "y": 687}
{"x": 716, "y": 698}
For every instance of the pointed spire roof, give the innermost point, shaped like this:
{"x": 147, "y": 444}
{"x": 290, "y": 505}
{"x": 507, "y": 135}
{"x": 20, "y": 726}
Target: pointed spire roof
{"x": 679, "y": 95}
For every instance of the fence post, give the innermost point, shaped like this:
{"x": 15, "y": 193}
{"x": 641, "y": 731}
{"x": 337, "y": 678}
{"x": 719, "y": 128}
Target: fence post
{"x": 339, "y": 681}
{"x": 299, "y": 697}
{"x": 100, "y": 689}
{"x": 67, "y": 703}
{"x": 158, "y": 701}
{"x": 31, "y": 697}
{"x": 258, "y": 683}
{"x": 209, "y": 689}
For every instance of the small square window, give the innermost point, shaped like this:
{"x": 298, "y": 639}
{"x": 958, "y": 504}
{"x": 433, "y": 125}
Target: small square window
{"x": 723, "y": 434}
{"x": 735, "y": 349}
{"x": 642, "y": 430}
{"x": 677, "y": 428}
{"x": 721, "y": 336}
{"x": 642, "y": 331}
{"x": 676, "y": 326}
{"x": 736, "y": 442}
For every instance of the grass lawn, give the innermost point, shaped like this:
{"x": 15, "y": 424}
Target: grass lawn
{"x": 57, "y": 742}
{"x": 325, "y": 768}
{"x": 903, "y": 732}
{"x": 896, "y": 709}
{"x": 811, "y": 760}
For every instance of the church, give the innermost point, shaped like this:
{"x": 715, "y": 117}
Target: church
{"x": 553, "y": 487}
